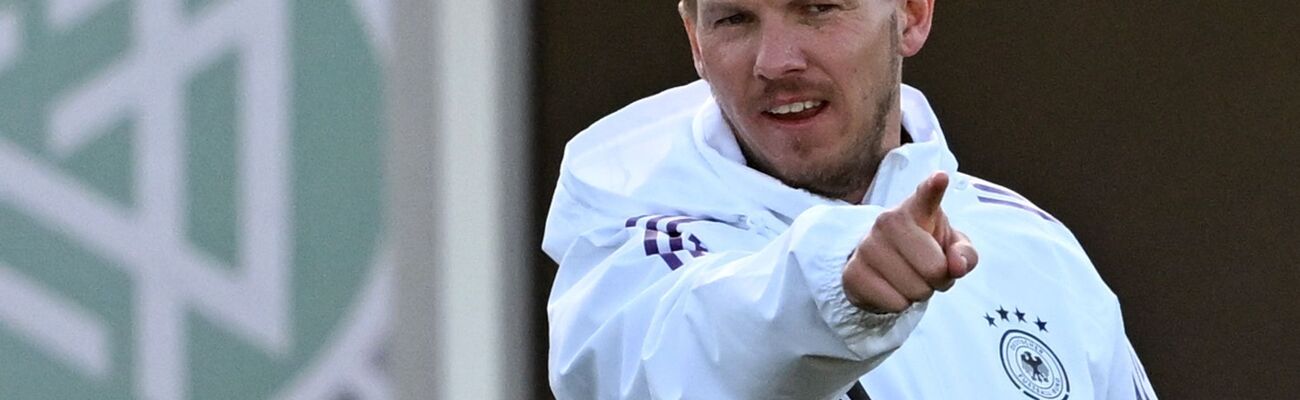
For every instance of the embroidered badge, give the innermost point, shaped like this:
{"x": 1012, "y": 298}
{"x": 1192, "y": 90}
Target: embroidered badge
{"x": 1030, "y": 363}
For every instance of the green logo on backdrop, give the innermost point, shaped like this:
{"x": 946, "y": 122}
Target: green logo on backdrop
{"x": 190, "y": 193}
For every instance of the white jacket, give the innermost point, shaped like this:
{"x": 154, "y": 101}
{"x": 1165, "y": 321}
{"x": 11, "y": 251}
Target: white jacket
{"x": 685, "y": 274}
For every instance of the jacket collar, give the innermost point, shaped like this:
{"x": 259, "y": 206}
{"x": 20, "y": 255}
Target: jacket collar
{"x": 904, "y": 167}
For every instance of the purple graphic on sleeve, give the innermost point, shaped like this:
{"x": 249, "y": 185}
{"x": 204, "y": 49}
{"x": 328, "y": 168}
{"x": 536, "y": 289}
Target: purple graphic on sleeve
{"x": 1009, "y": 203}
{"x": 679, "y": 243}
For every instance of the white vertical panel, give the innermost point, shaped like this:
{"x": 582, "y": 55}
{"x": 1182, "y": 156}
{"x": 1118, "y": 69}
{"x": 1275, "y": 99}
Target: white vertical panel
{"x": 472, "y": 293}
{"x": 412, "y": 184}
{"x": 477, "y": 124}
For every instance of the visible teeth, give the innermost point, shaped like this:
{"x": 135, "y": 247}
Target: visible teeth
{"x": 795, "y": 107}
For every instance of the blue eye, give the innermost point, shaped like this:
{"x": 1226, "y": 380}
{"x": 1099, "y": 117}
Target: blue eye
{"x": 735, "y": 19}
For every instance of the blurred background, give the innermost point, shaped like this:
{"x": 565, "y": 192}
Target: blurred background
{"x": 343, "y": 199}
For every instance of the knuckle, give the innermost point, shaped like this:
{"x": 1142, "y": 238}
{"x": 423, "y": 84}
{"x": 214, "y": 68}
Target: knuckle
{"x": 919, "y": 293}
{"x": 891, "y": 219}
{"x": 934, "y": 270}
{"x": 869, "y": 251}
{"x": 874, "y": 248}
{"x": 862, "y": 249}
{"x": 934, "y": 275}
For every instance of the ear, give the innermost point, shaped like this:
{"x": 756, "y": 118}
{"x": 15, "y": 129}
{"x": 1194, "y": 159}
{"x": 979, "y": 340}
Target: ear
{"x": 915, "y": 20}
{"x": 688, "y": 21}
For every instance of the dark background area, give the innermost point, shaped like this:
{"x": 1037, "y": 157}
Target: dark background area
{"x": 1164, "y": 134}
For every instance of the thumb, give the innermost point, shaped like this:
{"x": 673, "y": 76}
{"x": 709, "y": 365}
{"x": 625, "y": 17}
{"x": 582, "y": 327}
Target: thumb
{"x": 923, "y": 206}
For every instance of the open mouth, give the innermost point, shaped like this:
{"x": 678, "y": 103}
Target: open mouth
{"x": 796, "y": 111}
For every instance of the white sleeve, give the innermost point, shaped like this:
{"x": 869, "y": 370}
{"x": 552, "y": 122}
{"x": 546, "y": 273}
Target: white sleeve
{"x": 1127, "y": 379}
{"x": 765, "y": 323}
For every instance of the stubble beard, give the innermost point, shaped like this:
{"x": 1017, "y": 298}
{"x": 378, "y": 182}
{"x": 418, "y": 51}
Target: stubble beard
{"x": 856, "y": 165}
{"x": 853, "y": 168}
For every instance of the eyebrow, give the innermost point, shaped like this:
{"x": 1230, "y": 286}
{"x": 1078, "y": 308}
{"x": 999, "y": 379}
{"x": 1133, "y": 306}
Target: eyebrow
{"x": 719, "y": 6}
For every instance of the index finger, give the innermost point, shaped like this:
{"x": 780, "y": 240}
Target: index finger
{"x": 923, "y": 205}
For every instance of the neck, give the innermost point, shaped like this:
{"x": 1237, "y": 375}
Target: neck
{"x": 892, "y": 139}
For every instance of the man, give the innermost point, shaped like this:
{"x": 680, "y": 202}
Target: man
{"x": 794, "y": 227}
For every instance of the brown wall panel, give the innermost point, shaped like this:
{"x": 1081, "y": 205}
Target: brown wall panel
{"x": 1164, "y": 134}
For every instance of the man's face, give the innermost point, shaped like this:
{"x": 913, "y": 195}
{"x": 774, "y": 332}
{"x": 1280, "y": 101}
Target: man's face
{"x": 810, "y": 88}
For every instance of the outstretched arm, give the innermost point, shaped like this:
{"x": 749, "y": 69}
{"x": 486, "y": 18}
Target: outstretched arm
{"x": 776, "y": 319}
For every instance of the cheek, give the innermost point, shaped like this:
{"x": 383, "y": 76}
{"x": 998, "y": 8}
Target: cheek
{"x": 726, "y": 58}
{"x": 857, "y": 47}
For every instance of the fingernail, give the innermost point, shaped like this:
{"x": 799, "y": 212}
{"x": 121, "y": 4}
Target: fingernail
{"x": 965, "y": 263}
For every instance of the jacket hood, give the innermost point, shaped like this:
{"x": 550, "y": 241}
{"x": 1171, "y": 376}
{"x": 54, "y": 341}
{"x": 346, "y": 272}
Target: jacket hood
{"x": 673, "y": 154}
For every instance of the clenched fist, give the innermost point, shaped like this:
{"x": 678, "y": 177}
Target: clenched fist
{"x": 910, "y": 253}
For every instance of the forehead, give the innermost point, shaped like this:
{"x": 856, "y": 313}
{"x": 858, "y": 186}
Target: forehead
{"x": 724, "y": 4}
{"x": 709, "y": 7}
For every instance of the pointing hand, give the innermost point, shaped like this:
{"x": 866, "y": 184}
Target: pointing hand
{"x": 910, "y": 253}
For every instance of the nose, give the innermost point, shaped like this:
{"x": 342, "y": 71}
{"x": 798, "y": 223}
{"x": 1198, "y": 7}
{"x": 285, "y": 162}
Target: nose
{"x": 779, "y": 53}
